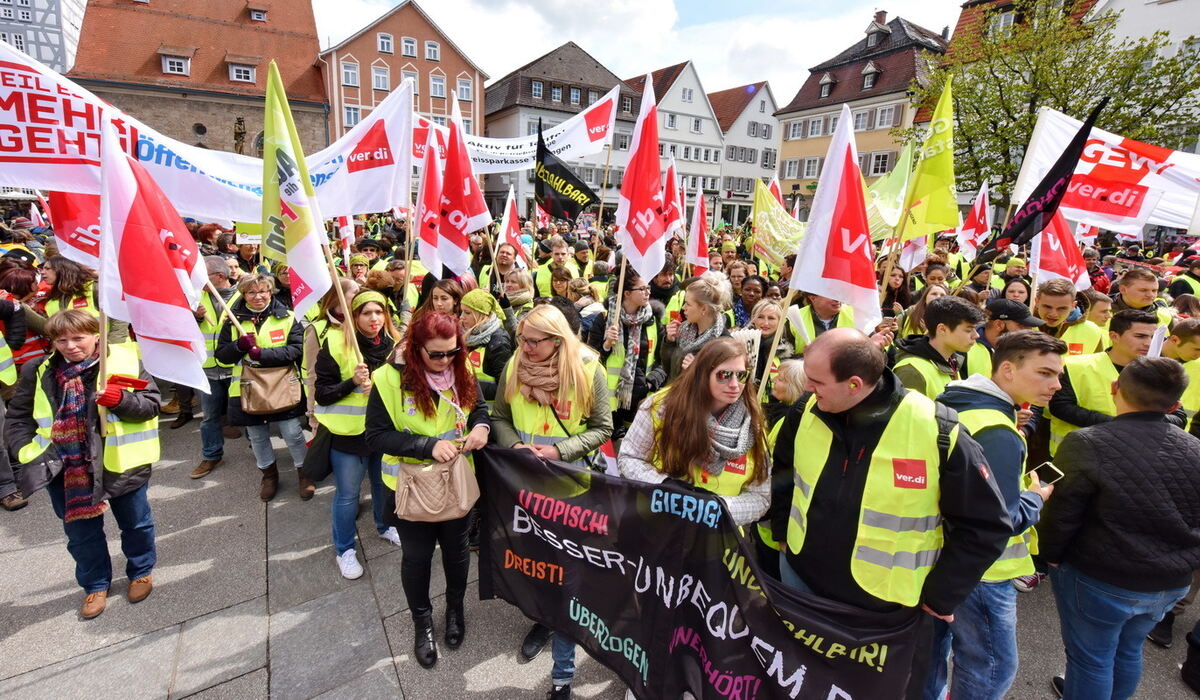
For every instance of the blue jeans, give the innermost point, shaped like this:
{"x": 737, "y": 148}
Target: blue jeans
{"x": 1103, "y": 630}
{"x": 348, "y": 472}
{"x": 984, "y": 639}
{"x": 293, "y": 437}
{"x": 214, "y": 404}
{"x": 89, "y": 546}
{"x": 562, "y": 650}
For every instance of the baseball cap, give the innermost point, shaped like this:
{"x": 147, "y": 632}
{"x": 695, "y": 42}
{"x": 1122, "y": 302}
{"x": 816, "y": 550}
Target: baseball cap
{"x": 1009, "y": 310}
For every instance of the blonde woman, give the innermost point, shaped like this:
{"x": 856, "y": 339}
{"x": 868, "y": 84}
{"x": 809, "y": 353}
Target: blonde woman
{"x": 704, "y": 303}
{"x": 518, "y": 288}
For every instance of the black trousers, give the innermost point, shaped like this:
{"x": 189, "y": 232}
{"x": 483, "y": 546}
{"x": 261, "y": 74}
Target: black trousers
{"x": 417, "y": 542}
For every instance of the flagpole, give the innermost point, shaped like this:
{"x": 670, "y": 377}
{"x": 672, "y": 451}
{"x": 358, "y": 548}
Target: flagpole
{"x": 225, "y": 310}
{"x": 102, "y": 371}
{"x": 762, "y": 386}
{"x": 620, "y": 290}
{"x": 348, "y": 334}
{"x": 603, "y": 192}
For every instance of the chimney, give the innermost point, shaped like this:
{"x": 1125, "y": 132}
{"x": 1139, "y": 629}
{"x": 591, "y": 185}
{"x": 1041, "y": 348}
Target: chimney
{"x": 881, "y": 16}
{"x": 946, "y": 33}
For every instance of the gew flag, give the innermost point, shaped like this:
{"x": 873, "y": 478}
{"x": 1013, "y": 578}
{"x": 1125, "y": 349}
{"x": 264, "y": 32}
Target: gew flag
{"x": 556, "y": 188}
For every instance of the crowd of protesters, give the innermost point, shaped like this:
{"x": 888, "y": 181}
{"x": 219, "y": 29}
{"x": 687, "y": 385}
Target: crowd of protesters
{"x": 888, "y": 468}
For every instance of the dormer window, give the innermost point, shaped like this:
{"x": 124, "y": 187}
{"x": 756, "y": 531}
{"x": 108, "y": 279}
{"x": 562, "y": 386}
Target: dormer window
{"x": 872, "y": 39}
{"x": 869, "y": 73}
{"x": 826, "y": 85}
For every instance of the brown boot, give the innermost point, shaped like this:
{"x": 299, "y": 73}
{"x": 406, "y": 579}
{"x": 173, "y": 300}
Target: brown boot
{"x": 306, "y": 487}
{"x": 181, "y": 420}
{"x": 205, "y": 466}
{"x": 139, "y": 588}
{"x": 170, "y": 408}
{"x": 93, "y": 604}
{"x": 14, "y": 501}
{"x": 270, "y": 483}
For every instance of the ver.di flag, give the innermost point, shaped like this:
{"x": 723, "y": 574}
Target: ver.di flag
{"x": 556, "y": 188}
{"x": 510, "y": 229}
{"x": 931, "y": 205}
{"x": 77, "y": 226}
{"x": 345, "y": 229}
{"x": 429, "y": 210}
{"x": 835, "y": 258}
{"x": 1055, "y": 254}
{"x": 675, "y": 218}
{"x": 697, "y": 243}
{"x": 975, "y": 231}
{"x": 150, "y": 268}
{"x": 463, "y": 210}
{"x": 643, "y": 212}
{"x": 292, "y": 230}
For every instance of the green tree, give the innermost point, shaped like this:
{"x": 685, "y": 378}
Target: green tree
{"x": 1050, "y": 57}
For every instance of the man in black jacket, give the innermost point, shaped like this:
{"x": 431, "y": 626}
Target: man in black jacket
{"x": 1122, "y": 534}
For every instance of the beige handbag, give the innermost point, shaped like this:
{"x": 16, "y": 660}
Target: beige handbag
{"x": 436, "y": 491}
{"x": 267, "y": 390}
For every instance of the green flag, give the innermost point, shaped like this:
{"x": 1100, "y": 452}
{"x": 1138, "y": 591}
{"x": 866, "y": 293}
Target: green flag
{"x": 931, "y": 205}
{"x": 885, "y": 199}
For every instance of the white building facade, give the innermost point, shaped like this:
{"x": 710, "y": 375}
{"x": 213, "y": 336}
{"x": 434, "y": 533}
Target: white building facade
{"x": 47, "y": 30}
{"x": 751, "y": 145}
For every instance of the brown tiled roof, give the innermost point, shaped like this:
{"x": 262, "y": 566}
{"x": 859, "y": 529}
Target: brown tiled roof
{"x": 729, "y": 104}
{"x": 120, "y": 42}
{"x": 566, "y": 66}
{"x": 897, "y": 56}
{"x": 663, "y": 79}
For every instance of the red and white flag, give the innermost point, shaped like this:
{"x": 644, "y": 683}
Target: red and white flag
{"x": 675, "y": 218}
{"x": 510, "y": 229}
{"x": 463, "y": 209}
{"x": 77, "y": 231}
{"x": 796, "y": 209}
{"x": 543, "y": 219}
{"x": 345, "y": 227}
{"x": 974, "y": 232}
{"x": 1056, "y": 254}
{"x": 914, "y": 252}
{"x": 1085, "y": 233}
{"x": 697, "y": 243}
{"x": 151, "y": 273}
{"x": 775, "y": 190}
{"x": 35, "y": 216}
{"x": 836, "y": 258}
{"x": 429, "y": 210}
{"x": 643, "y": 212}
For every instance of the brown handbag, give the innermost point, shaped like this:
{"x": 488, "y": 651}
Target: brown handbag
{"x": 436, "y": 491}
{"x": 267, "y": 390}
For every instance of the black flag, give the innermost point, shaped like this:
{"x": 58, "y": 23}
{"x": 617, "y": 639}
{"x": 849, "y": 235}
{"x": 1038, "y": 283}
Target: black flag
{"x": 1035, "y": 212}
{"x": 559, "y": 193}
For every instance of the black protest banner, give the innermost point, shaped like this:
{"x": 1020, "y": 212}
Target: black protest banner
{"x": 557, "y": 190}
{"x": 653, "y": 581}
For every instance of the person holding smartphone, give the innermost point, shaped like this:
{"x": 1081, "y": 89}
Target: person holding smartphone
{"x": 1026, "y": 365}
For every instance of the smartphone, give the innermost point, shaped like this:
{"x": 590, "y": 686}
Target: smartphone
{"x": 1047, "y": 473}
{"x": 126, "y": 382}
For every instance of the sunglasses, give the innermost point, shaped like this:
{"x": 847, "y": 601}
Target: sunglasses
{"x": 442, "y": 355}
{"x": 724, "y": 375}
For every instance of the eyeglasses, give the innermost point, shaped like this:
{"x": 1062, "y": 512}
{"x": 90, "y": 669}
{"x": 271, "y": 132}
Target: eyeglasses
{"x": 442, "y": 355}
{"x": 639, "y": 289}
{"x": 724, "y": 375}
{"x": 533, "y": 342}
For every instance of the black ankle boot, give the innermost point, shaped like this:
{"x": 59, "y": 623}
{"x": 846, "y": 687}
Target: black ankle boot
{"x": 1191, "y": 665}
{"x": 424, "y": 646}
{"x": 456, "y": 627}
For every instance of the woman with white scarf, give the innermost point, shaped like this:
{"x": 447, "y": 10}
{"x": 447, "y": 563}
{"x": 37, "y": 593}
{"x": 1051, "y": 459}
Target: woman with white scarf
{"x": 704, "y": 303}
{"x": 489, "y": 344}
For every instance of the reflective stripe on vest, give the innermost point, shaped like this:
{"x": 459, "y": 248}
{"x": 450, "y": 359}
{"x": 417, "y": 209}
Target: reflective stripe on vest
{"x": 733, "y": 477}
{"x": 210, "y": 327}
{"x": 1015, "y": 560}
{"x": 273, "y": 333}
{"x": 348, "y": 415}
{"x": 1091, "y": 377}
{"x": 935, "y": 379}
{"x": 127, "y": 444}
{"x": 899, "y": 534}
{"x": 616, "y": 361}
{"x": 8, "y": 365}
{"x": 407, "y": 418}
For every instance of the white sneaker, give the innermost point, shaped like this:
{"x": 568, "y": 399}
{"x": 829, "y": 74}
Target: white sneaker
{"x": 348, "y": 564}
{"x": 390, "y": 535}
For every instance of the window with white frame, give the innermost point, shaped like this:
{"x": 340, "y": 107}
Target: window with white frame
{"x": 1000, "y": 23}
{"x": 575, "y": 95}
{"x": 731, "y": 153}
{"x": 687, "y": 152}
{"x": 766, "y": 131}
{"x": 826, "y": 89}
{"x": 623, "y": 142}
{"x": 433, "y": 51}
{"x": 384, "y": 42}
{"x": 869, "y": 81}
{"x": 752, "y": 155}
{"x": 673, "y": 150}
{"x": 466, "y": 90}
{"x": 662, "y": 149}
{"x": 872, "y": 39}
{"x": 6, "y": 13}
{"x": 814, "y": 127}
{"x": 258, "y": 15}
{"x": 812, "y": 168}
{"x": 351, "y": 115}
{"x": 16, "y": 40}
{"x": 556, "y": 93}
{"x": 861, "y": 119}
{"x": 770, "y": 158}
{"x": 762, "y": 106}
{"x": 468, "y": 125}
{"x": 670, "y": 123}
{"x": 879, "y": 163}
{"x": 381, "y": 78}
{"x": 439, "y": 119}
{"x": 833, "y": 121}
{"x": 686, "y": 94}
{"x": 408, "y": 47}
{"x": 349, "y": 74}
{"x": 412, "y": 75}
{"x": 25, "y": 15}
{"x": 176, "y": 65}
{"x": 697, "y": 125}
{"x": 437, "y": 86}
{"x": 729, "y": 182}
{"x": 535, "y": 89}
{"x": 796, "y": 130}
{"x": 752, "y": 128}
{"x": 627, "y": 104}
{"x": 791, "y": 168}
{"x": 240, "y": 73}
{"x": 885, "y": 116}
{"x": 592, "y": 97}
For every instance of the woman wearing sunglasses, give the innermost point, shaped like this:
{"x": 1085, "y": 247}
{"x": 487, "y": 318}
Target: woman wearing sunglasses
{"x": 717, "y": 439}
{"x": 426, "y": 406}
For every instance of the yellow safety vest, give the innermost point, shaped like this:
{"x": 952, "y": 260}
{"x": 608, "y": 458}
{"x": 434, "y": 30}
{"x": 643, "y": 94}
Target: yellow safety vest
{"x": 733, "y": 478}
{"x": 1091, "y": 378}
{"x": 899, "y": 534}
{"x": 1192, "y": 282}
{"x": 805, "y": 332}
{"x": 348, "y": 415}
{"x": 408, "y": 418}
{"x": 82, "y": 303}
{"x": 616, "y": 360}
{"x": 210, "y": 326}
{"x": 673, "y": 310}
{"x": 979, "y": 360}
{"x": 1083, "y": 338}
{"x": 1191, "y": 395}
{"x": 935, "y": 379}
{"x": 542, "y": 425}
{"x": 8, "y": 365}
{"x": 476, "y": 356}
{"x": 127, "y": 444}
{"x": 273, "y": 333}
{"x": 1015, "y": 560}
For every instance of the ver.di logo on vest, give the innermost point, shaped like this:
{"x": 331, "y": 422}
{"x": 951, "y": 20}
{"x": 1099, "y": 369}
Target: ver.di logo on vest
{"x": 908, "y": 473}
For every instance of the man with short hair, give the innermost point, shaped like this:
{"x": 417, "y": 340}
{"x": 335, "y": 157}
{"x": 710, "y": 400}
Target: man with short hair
{"x": 807, "y": 323}
{"x": 1055, "y": 304}
{"x": 927, "y": 363}
{"x": 214, "y": 403}
{"x": 1188, "y": 281}
{"x": 560, "y": 256}
{"x": 894, "y": 507}
{"x": 1099, "y": 279}
{"x": 1122, "y": 534}
{"x": 1138, "y": 289}
{"x": 1026, "y": 366}
{"x": 1003, "y": 316}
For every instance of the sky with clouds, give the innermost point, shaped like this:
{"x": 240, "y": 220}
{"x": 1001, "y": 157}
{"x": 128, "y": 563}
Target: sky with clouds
{"x": 731, "y": 43}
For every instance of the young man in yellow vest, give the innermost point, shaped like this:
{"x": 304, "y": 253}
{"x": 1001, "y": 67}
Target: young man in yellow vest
{"x": 807, "y": 323}
{"x": 1026, "y": 365}
{"x": 1138, "y": 289}
{"x": 894, "y": 507}
{"x": 927, "y": 363}
{"x": 560, "y": 256}
{"x": 215, "y": 402}
{"x": 1003, "y": 316}
{"x": 1055, "y": 304}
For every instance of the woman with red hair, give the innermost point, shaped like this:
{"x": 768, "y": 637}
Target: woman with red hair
{"x": 426, "y": 406}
